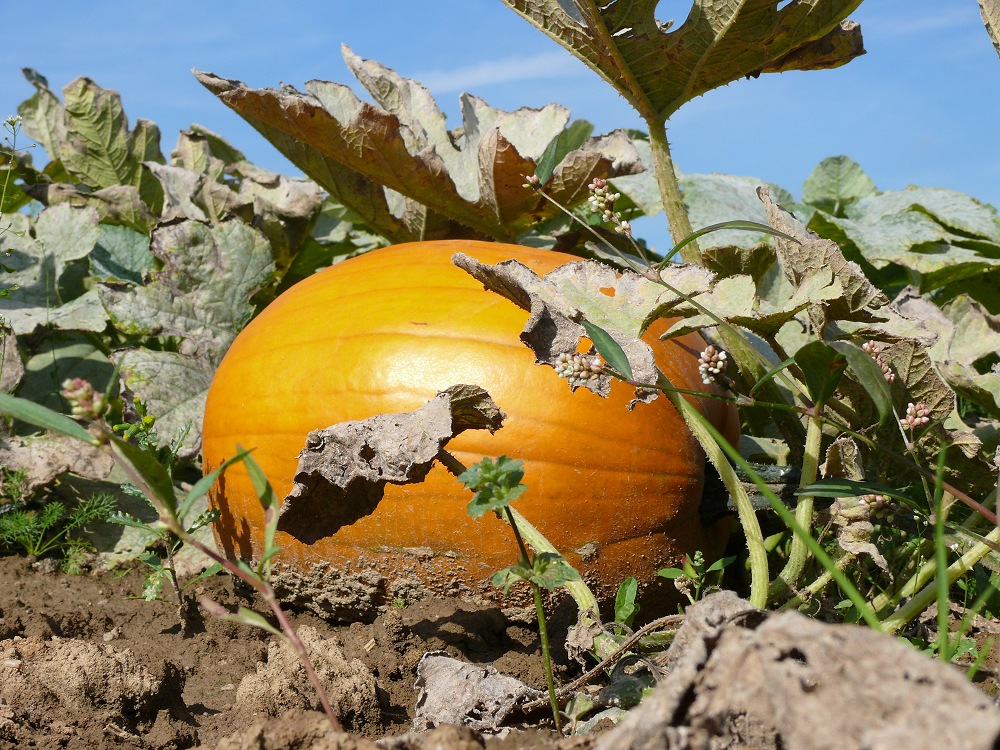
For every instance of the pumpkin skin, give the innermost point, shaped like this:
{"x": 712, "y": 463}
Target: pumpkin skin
{"x": 383, "y": 333}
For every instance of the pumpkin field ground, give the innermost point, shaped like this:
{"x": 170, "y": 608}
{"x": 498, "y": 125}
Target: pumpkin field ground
{"x": 87, "y": 664}
{"x": 180, "y": 691}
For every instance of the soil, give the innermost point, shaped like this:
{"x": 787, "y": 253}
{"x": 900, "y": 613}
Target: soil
{"x": 84, "y": 663}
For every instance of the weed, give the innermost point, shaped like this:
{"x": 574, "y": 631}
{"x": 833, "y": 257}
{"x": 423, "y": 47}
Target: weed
{"x": 50, "y": 530}
{"x": 695, "y": 577}
{"x": 495, "y": 485}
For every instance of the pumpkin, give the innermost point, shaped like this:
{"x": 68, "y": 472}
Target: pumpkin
{"x": 616, "y": 491}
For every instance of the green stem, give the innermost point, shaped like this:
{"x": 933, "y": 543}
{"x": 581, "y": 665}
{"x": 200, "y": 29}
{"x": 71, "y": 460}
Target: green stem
{"x": 941, "y": 582}
{"x": 817, "y": 586}
{"x": 543, "y": 635}
{"x": 925, "y": 596}
{"x": 798, "y": 555}
{"x": 696, "y": 422}
{"x": 670, "y": 189}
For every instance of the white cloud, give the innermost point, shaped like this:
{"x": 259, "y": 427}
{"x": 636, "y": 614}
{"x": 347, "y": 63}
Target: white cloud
{"x": 556, "y": 64}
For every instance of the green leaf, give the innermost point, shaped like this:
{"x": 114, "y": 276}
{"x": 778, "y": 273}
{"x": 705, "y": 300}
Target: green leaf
{"x": 249, "y": 617}
{"x": 99, "y": 150}
{"x": 270, "y": 503}
{"x": 551, "y": 570}
{"x": 658, "y": 68}
{"x": 625, "y": 606}
{"x": 150, "y": 475}
{"x": 835, "y": 183}
{"x": 200, "y": 488}
{"x": 43, "y": 119}
{"x": 609, "y": 349}
{"x": 44, "y": 253}
{"x": 868, "y": 374}
{"x": 495, "y": 484}
{"x": 121, "y": 254}
{"x": 40, "y": 416}
{"x": 202, "y": 292}
{"x": 822, "y": 367}
{"x": 574, "y": 136}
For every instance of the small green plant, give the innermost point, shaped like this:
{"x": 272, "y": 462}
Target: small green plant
{"x": 13, "y": 486}
{"x": 51, "y": 529}
{"x": 495, "y": 485}
{"x": 695, "y": 578}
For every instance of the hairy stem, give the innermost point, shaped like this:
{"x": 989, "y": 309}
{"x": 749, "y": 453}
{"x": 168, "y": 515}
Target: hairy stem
{"x": 696, "y": 422}
{"x": 798, "y": 556}
{"x": 670, "y": 190}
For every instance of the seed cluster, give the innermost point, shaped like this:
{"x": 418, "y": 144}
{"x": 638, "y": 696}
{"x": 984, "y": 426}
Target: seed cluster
{"x": 711, "y": 364}
{"x": 602, "y": 201}
{"x": 83, "y": 400}
{"x": 579, "y": 369}
{"x": 917, "y": 415}
{"x": 875, "y": 351}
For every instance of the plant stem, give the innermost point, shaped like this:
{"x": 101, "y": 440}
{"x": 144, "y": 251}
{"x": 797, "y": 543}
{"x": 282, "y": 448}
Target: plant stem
{"x": 543, "y": 630}
{"x": 818, "y": 584}
{"x": 923, "y": 598}
{"x": 670, "y": 189}
{"x": 798, "y": 555}
{"x": 543, "y": 636}
{"x": 264, "y": 589}
{"x": 696, "y": 422}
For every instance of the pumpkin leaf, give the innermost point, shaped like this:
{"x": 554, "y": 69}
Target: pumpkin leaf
{"x": 202, "y": 291}
{"x": 201, "y": 296}
{"x": 121, "y": 254}
{"x": 716, "y": 198}
{"x": 174, "y": 387}
{"x": 343, "y": 469}
{"x": 939, "y": 235}
{"x": 45, "y": 283}
{"x": 990, "y": 11}
{"x": 621, "y": 304}
{"x": 836, "y": 182}
{"x": 66, "y": 355}
{"x": 99, "y": 149}
{"x": 48, "y": 456}
{"x": 435, "y": 181}
{"x": 658, "y": 68}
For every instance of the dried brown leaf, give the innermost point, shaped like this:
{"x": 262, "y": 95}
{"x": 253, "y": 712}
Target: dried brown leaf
{"x": 343, "y": 469}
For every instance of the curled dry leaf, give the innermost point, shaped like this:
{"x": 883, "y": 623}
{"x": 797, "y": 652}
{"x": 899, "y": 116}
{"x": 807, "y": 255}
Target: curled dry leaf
{"x": 343, "y": 469}
{"x": 450, "y": 691}
{"x": 623, "y": 303}
{"x": 398, "y": 166}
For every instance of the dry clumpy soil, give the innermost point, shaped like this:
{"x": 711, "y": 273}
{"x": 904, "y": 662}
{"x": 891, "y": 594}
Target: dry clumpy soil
{"x": 85, "y": 664}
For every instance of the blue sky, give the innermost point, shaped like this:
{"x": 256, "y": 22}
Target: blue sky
{"x": 922, "y": 107}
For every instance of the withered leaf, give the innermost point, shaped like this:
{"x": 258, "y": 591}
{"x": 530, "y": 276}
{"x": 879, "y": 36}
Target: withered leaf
{"x": 343, "y": 469}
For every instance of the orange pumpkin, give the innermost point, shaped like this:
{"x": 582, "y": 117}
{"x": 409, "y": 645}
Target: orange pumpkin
{"x": 616, "y": 491}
